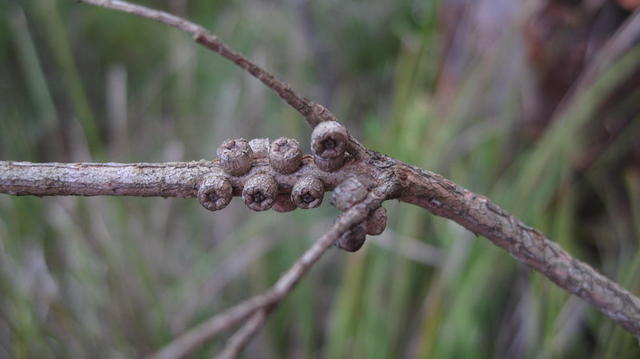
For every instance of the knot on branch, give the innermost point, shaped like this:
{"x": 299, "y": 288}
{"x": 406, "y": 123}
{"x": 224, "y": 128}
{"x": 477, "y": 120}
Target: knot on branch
{"x": 215, "y": 193}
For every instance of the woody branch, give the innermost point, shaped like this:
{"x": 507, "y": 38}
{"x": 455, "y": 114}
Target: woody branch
{"x": 423, "y": 188}
{"x": 264, "y": 177}
{"x": 262, "y": 304}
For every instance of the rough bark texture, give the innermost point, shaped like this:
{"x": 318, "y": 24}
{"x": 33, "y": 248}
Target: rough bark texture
{"x": 177, "y": 179}
{"x": 481, "y": 216}
{"x": 105, "y": 179}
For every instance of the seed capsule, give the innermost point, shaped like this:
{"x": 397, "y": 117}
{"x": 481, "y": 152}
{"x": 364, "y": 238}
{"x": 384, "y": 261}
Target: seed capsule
{"x": 260, "y": 147}
{"x": 284, "y": 203}
{"x": 377, "y": 222}
{"x": 348, "y": 193}
{"x": 353, "y": 239}
{"x": 260, "y": 192}
{"x": 215, "y": 193}
{"x": 285, "y": 155}
{"x": 329, "y": 140}
{"x": 308, "y": 192}
{"x": 235, "y": 156}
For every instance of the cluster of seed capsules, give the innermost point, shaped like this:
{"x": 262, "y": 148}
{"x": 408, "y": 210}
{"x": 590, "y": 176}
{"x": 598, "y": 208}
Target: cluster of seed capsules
{"x": 329, "y": 143}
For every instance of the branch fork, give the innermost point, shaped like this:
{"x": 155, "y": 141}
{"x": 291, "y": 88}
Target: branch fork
{"x": 277, "y": 175}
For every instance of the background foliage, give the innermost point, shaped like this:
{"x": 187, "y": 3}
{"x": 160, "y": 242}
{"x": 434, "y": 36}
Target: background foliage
{"x": 462, "y": 88}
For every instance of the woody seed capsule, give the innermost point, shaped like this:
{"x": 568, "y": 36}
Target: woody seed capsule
{"x": 260, "y": 147}
{"x": 329, "y": 140}
{"x": 260, "y": 192}
{"x": 285, "y": 155}
{"x": 353, "y": 239}
{"x": 215, "y": 193}
{"x": 235, "y": 156}
{"x": 348, "y": 193}
{"x": 308, "y": 192}
{"x": 377, "y": 221}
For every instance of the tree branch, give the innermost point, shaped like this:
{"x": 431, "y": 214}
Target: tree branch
{"x": 381, "y": 173}
{"x": 178, "y": 179}
{"x": 481, "y": 216}
{"x": 194, "y": 338}
{"x": 423, "y": 188}
{"x": 173, "y": 179}
{"x": 241, "y": 338}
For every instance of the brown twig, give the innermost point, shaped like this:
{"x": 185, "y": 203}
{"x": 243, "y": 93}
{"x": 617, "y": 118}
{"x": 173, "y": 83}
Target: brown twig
{"x": 197, "y": 336}
{"x": 194, "y": 338}
{"x": 312, "y": 112}
{"x": 423, "y": 188}
{"x": 241, "y": 338}
{"x": 172, "y": 179}
{"x": 481, "y": 216}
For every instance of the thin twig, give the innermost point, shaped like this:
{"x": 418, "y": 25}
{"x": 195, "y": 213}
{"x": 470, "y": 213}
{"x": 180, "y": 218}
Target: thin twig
{"x": 197, "y": 336}
{"x": 194, "y": 338}
{"x": 312, "y": 112}
{"x": 241, "y": 338}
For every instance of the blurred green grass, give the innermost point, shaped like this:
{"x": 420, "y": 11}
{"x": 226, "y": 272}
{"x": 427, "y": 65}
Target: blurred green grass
{"x": 120, "y": 277}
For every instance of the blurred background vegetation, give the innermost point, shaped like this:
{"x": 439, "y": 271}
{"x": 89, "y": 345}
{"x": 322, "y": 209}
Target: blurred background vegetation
{"x": 500, "y": 96}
